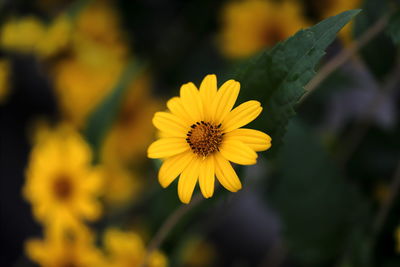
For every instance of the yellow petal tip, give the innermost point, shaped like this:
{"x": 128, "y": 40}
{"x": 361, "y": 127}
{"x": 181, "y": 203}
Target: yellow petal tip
{"x": 163, "y": 185}
{"x": 184, "y": 201}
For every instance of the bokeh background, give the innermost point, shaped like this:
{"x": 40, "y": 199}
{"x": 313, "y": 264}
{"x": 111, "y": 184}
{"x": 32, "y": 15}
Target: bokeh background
{"x": 80, "y": 82}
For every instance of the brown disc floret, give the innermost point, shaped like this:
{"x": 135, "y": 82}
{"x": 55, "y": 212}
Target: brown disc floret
{"x": 204, "y": 138}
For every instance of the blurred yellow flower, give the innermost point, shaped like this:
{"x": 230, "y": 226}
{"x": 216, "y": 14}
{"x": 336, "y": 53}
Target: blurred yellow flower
{"x": 126, "y": 249}
{"x": 94, "y": 38}
{"x": 4, "y": 79}
{"x": 120, "y": 185}
{"x": 98, "y": 33}
{"x": 98, "y": 55}
{"x": 30, "y": 35}
{"x": 75, "y": 250}
{"x": 333, "y": 7}
{"x": 200, "y": 135}
{"x": 132, "y": 130}
{"x": 248, "y": 26}
{"x": 56, "y": 38}
{"x": 80, "y": 88}
{"x": 22, "y": 34}
{"x": 61, "y": 184}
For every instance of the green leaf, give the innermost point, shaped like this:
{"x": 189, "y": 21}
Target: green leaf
{"x": 279, "y": 75}
{"x": 320, "y": 210}
{"x": 393, "y": 28}
{"x": 103, "y": 116}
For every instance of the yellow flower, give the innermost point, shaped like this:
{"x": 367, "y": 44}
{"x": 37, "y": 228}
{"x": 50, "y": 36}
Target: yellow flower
{"x": 4, "y": 79}
{"x": 56, "y": 38}
{"x": 97, "y": 59}
{"x": 126, "y": 249}
{"x": 22, "y": 34}
{"x": 200, "y": 135}
{"x": 98, "y": 39}
{"x": 68, "y": 250}
{"x": 120, "y": 185}
{"x": 61, "y": 184}
{"x": 80, "y": 88}
{"x": 248, "y": 26}
{"x": 30, "y": 35}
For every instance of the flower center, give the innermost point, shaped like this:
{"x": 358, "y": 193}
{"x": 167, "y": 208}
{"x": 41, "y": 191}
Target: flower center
{"x": 62, "y": 187}
{"x": 204, "y": 138}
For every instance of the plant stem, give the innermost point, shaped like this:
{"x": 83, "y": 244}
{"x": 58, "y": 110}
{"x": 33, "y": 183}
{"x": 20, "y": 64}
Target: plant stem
{"x": 168, "y": 225}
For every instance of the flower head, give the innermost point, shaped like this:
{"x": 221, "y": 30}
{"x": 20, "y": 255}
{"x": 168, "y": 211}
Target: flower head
{"x": 57, "y": 37}
{"x": 98, "y": 54}
{"x": 22, "y": 34}
{"x": 98, "y": 31}
{"x": 249, "y": 26}
{"x": 61, "y": 184}
{"x": 200, "y": 135}
{"x": 31, "y": 35}
{"x": 127, "y": 249}
{"x": 81, "y": 87}
{"x": 75, "y": 249}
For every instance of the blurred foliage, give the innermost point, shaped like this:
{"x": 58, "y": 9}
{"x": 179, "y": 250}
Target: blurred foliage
{"x": 324, "y": 208}
{"x": 379, "y": 63}
{"x": 394, "y": 27}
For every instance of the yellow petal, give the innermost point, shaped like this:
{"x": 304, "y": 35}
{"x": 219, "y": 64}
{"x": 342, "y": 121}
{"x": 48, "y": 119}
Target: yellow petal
{"x": 208, "y": 90}
{"x": 173, "y": 166}
{"x": 226, "y": 175}
{"x": 90, "y": 209}
{"x": 207, "y": 177}
{"x": 241, "y": 115}
{"x": 167, "y": 147}
{"x": 170, "y": 124}
{"x": 36, "y": 250}
{"x": 176, "y": 108}
{"x": 93, "y": 182}
{"x": 256, "y": 140}
{"x": 191, "y": 101}
{"x": 237, "y": 152}
{"x": 188, "y": 180}
{"x": 158, "y": 259}
{"x": 224, "y": 100}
